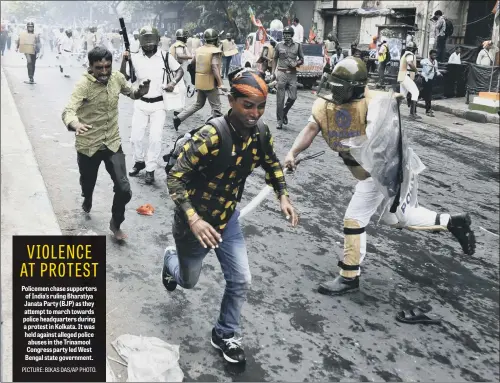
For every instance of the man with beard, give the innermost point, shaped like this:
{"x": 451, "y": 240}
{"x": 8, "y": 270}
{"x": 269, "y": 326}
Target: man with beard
{"x": 342, "y": 111}
{"x": 29, "y": 44}
{"x": 287, "y": 57}
{"x": 206, "y": 183}
{"x": 92, "y": 113}
{"x": 151, "y": 64}
{"x": 208, "y": 81}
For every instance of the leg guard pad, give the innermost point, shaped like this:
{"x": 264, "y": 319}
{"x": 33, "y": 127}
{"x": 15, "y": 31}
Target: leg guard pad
{"x": 352, "y": 243}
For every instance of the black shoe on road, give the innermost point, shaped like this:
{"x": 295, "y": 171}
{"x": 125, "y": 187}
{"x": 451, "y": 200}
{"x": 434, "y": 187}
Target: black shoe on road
{"x": 459, "y": 226}
{"x": 279, "y": 126}
{"x": 285, "y": 119}
{"x": 87, "y": 205}
{"x": 150, "y": 177}
{"x": 339, "y": 286}
{"x": 177, "y": 122}
{"x": 230, "y": 347}
{"x": 166, "y": 278}
{"x": 137, "y": 168}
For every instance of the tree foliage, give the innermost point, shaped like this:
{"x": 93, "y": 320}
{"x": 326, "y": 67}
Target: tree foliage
{"x": 60, "y": 12}
{"x": 23, "y": 10}
{"x": 234, "y": 16}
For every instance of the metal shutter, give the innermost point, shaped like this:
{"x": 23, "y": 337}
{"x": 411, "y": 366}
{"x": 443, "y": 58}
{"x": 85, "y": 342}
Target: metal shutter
{"x": 348, "y": 28}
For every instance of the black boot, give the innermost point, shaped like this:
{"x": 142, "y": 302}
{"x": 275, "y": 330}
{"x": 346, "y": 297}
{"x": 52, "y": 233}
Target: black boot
{"x": 137, "y": 168}
{"x": 413, "y": 111}
{"x": 339, "y": 286}
{"x": 459, "y": 226}
{"x": 177, "y": 122}
{"x": 288, "y": 105}
{"x": 150, "y": 177}
{"x": 87, "y": 205}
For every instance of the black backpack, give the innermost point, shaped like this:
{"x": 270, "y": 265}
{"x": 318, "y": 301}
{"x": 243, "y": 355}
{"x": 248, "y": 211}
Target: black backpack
{"x": 220, "y": 162}
{"x": 449, "y": 28}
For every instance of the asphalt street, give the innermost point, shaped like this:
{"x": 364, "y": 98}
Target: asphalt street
{"x": 290, "y": 332}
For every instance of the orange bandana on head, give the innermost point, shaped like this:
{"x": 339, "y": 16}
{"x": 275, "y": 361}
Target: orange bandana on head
{"x": 249, "y": 83}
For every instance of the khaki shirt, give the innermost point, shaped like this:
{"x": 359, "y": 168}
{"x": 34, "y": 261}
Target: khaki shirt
{"x": 287, "y": 55}
{"x": 96, "y": 104}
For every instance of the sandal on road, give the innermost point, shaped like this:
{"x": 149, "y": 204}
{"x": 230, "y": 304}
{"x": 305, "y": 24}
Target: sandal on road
{"x": 416, "y": 315}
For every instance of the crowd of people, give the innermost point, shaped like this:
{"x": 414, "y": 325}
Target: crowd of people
{"x": 206, "y": 174}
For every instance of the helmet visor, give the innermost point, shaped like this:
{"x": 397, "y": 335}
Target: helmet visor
{"x": 149, "y": 40}
{"x": 335, "y": 90}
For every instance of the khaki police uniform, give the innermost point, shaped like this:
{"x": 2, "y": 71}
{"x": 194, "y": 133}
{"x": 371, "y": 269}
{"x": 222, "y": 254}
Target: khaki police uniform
{"x": 27, "y": 45}
{"x": 340, "y": 122}
{"x": 286, "y": 76}
{"x": 406, "y": 77}
{"x": 206, "y": 56}
{"x": 229, "y": 49}
{"x": 179, "y": 47}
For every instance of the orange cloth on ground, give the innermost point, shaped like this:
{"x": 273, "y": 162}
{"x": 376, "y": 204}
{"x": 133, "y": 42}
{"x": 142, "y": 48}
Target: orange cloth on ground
{"x": 146, "y": 209}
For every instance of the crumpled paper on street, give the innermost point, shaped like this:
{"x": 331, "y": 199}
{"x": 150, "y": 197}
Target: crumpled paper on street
{"x": 149, "y": 359}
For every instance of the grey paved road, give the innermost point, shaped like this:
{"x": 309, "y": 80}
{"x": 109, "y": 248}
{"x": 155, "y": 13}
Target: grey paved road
{"x": 292, "y": 333}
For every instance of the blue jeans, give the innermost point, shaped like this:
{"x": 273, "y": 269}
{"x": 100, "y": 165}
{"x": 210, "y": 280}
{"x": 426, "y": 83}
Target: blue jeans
{"x": 185, "y": 267}
{"x": 226, "y": 64}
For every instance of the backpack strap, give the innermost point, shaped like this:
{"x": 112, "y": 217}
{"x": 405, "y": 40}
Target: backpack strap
{"x": 219, "y": 164}
{"x": 265, "y": 146}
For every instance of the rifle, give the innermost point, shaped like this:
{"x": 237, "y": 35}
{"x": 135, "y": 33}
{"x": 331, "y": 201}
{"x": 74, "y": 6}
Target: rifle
{"x": 123, "y": 32}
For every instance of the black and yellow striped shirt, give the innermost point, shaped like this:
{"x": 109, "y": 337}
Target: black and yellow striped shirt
{"x": 217, "y": 198}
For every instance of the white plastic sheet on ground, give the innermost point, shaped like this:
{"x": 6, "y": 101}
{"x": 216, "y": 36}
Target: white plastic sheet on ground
{"x": 110, "y": 375}
{"x": 149, "y": 359}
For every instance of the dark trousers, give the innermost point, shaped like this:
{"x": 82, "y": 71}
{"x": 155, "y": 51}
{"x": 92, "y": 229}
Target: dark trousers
{"x": 3, "y": 44}
{"x": 287, "y": 83}
{"x": 115, "y": 165}
{"x": 427, "y": 93}
{"x": 30, "y": 61}
{"x": 370, "y": 66}
{"x": 450, "y": 87}
{"x": 441, "y": 48}
{"x": 226, "y": 63}
{"x": 381, "y": 72}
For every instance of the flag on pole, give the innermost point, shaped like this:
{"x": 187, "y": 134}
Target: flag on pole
{"x": 312, "y": 34}
{"x": 261, "y": 33}
{"x": 496, "y": 11}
